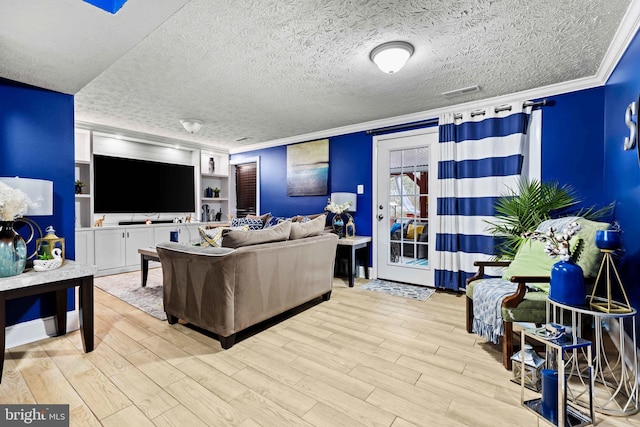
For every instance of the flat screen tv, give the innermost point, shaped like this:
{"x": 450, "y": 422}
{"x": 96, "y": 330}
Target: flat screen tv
{"x": 139, "y": 186}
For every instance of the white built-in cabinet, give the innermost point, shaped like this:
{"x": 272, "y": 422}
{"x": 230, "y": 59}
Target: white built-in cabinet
{"x": 85, "y": 245}
{"x": 117, "y": 248}
{"x": 114, "y": 248}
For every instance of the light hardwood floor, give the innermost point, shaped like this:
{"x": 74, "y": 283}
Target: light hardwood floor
{"x": 362, "y": 358}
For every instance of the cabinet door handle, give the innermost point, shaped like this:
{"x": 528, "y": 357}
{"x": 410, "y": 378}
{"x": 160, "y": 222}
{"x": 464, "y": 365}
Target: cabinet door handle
{"x": 123, "y": 234}
{"x": 127, "y": 234}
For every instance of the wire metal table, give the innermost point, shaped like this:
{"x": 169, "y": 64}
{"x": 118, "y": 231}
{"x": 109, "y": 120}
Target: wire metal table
{"x": 615, "y": 370}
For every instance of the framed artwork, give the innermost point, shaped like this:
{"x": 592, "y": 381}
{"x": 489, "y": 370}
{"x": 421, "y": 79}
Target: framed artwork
{"x": 308, "y": 168}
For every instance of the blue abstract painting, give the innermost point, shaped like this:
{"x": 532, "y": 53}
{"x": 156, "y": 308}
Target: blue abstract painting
{"x": 308, "y": 168}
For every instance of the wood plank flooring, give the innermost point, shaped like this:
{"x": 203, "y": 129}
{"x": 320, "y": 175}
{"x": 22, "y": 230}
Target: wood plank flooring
{"x": 361, "y": 359}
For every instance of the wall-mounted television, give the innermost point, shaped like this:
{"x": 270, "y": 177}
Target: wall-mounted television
{"x": 124, "y": 185}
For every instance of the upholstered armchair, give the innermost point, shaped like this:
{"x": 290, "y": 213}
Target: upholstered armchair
{"x": 524, "y": 285}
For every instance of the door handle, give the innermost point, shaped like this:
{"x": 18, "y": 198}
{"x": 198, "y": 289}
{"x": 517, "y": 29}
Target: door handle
{"x": 380, "y": 217}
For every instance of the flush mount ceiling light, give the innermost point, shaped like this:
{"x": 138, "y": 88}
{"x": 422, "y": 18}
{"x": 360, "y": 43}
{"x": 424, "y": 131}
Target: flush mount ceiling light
{"x": 390, "y": 57}
{"x": 191, "y": 125}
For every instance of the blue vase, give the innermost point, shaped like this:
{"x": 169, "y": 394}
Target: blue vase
{"x": 567, "y": 283}
{"x": 608, "y": 239}
{"x": 13, "y": 251}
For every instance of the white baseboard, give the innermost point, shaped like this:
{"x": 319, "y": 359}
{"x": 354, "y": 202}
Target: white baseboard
{"x": 35, "y": 330}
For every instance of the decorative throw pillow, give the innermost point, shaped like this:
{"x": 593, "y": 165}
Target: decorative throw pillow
{"x": 264, "y": 218}
{"x": 313, "y": 227}
{"x": 253, "y": 223}
{"x": 413, "y": 230}
{"x": 211, "y": 237}
{"x": 588, "y": 256}
{"x": 236, "y": 238}
{"x": 530, "y": 260}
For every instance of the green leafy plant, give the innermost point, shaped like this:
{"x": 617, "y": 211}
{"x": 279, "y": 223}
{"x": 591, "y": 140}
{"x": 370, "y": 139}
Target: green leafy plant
{"x": 520, "y": 210}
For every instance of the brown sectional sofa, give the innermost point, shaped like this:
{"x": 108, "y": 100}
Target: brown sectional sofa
{"x": 226, "y": 290}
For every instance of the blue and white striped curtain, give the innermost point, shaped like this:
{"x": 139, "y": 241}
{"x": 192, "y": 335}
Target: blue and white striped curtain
{"x": 480, "y": 157}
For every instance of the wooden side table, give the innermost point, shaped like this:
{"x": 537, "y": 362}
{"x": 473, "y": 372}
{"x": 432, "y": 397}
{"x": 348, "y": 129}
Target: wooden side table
{"x": 362, "y": 243}
{"x": 59, "y": 280}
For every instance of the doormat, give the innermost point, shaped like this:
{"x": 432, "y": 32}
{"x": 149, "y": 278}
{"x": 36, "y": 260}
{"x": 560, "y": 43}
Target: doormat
{"x": 126, "y": 286}
{"x": 420, "y": 293}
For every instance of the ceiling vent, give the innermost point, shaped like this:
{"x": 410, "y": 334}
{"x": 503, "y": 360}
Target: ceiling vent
{"x": 462, "y": 91}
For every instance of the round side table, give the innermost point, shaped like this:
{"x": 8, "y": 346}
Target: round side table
{"x": 615, "y": 360}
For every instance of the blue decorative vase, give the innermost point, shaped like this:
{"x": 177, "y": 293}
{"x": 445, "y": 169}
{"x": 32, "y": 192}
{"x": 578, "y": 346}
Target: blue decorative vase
{"x": 567, "y": 283}
{"x": 608, "y": 239}
{"x": 13, "y": 251}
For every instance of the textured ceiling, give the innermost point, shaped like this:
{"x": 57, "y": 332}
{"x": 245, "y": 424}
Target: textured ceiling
{"x": 271, "y": 69}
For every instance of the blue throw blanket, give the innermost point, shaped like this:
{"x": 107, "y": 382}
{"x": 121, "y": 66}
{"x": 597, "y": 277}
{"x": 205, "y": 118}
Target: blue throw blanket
{"x": 487, "y": 307}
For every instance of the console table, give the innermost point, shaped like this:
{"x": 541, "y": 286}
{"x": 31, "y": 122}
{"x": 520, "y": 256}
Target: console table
{"x": 59, "y": 280}
{"x": 353, "y": 245}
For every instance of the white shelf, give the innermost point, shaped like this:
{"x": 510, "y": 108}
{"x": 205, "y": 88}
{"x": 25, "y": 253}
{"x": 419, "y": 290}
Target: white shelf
{"x": 83, "y": 196}
{"x": 214, "y": 175}
{"x": 214, "y": 199}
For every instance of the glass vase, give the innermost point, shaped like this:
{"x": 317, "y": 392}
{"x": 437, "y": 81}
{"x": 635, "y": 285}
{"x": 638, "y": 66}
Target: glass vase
{"x": 338, "y": 225}
{"x": 13, "y": 250}
{"x": 567, "y": 283}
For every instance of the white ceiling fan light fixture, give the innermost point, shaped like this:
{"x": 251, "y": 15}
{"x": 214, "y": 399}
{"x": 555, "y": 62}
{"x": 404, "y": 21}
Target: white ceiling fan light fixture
{"x": 191, "y": 125}
{"x": 390, "y": 57}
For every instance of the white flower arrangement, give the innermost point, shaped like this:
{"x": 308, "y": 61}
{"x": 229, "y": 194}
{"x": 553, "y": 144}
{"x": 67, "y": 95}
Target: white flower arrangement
{"x": 13, "y": 203}
{"x": 337, "y": 209}
{"x": 556, "y": 244}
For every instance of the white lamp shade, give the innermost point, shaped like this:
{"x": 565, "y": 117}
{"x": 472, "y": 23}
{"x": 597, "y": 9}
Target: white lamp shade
{"x": 391, "y": 57}
{"x": 340, "y": 198}
{"x": 39, "y": 191}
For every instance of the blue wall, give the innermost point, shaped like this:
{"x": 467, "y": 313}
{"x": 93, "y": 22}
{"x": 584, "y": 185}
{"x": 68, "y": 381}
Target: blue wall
{"x": 37, "y": 141}
{"x": 350, "y": 162}
{"x": 572, "y": 132}
{"x": 572, "y": 150}
{"x": 621, "y": 168}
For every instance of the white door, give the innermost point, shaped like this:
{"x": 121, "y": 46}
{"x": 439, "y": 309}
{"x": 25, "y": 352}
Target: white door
{"x": 405, "y": 182}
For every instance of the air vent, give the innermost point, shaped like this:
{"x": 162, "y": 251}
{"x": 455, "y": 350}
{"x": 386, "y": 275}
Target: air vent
{"x": 462, "y": 91}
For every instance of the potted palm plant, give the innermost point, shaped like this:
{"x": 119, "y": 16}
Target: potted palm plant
{"x": 520, "y": 210}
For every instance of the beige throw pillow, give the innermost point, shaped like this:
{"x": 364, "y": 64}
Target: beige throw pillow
{"x": 237, "y": 239}
{"x": 314, "y": 227}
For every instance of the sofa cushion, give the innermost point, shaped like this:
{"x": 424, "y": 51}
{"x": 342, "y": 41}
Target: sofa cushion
{"x": 237, "y": 238}
{"x": 275, "y": 220}
{"x": 253, "y": 223}
{"x": 309, "y": 228}
{"x": 300, "y": 218}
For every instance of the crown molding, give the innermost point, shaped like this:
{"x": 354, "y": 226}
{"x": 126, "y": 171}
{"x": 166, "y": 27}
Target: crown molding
{"x": 146, "y": 138}
{"x": 624, "y": 35}
{"x": 531, "y": 94}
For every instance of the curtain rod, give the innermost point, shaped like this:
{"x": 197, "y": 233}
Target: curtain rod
{"x": 434, "y": 121}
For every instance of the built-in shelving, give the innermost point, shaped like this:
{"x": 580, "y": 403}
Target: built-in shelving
{"x": 214, "y": 177}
